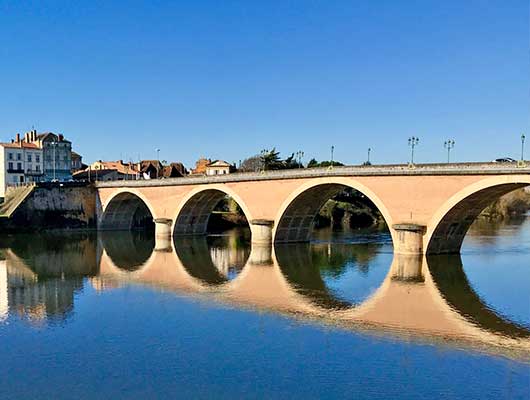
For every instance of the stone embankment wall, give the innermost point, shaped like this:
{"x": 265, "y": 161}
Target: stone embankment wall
{"x": 55, "y": 206}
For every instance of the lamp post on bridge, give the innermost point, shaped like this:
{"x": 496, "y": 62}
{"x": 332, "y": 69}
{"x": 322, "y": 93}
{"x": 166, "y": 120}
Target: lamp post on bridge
{"x": 332, "y": 150}
{"x": 158, "y": 162}
{"x": 523, "y": 138}
{"x": 413, "y": 142}
{"x": 449, "y": 144}
{"x": 368, "y": 160}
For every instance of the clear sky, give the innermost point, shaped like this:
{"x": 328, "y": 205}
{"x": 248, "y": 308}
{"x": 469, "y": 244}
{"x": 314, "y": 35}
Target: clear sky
{"x": 225, "y": 79}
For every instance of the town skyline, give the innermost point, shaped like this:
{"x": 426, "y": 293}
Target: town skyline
{"x": 225, "y": 81}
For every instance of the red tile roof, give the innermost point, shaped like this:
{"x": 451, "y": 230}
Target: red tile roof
{"x": 20, "y": 145}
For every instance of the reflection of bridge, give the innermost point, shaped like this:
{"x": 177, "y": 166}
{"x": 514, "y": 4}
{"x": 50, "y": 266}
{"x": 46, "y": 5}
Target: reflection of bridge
{"x": 428, "y": 208}
{"x": 420, "y": 297}
{"x": 427, "y": 298}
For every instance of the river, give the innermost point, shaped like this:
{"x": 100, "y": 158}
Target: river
{"x": 86, "y": 316}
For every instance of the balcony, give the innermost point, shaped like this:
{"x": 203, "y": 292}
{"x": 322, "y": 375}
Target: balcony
{"x": 15, "y": 171}
{"x": 34, "y": 172}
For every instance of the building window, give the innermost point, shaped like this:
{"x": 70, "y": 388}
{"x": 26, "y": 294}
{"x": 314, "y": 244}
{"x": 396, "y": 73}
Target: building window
{"x": 10, "y": 156}
{"x": 19, "y": 166}
{"x": 29, "y": 157}
{"x": 10, "y": 165}
{"x": 19, "y": 156}
{"x": 37, "y": 158}
{"x": 37, "y": 168}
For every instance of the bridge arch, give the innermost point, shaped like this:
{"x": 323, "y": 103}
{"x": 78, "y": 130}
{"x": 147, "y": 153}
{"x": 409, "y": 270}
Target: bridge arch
{"x": 127, "y": 210}
{"x": 197, "y": 206}
{"x": 295, "y": 219}
{"x": 448, "y": 226}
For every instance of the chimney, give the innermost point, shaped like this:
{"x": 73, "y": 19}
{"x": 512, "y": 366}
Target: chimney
{"x": 26, "y": 137}
{"x": 18, "y": 138}
{"x": 61, "y": 137}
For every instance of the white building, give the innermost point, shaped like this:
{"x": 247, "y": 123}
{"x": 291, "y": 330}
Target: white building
{"x": 20, "y": 162}
{"x": 218, "y": 167}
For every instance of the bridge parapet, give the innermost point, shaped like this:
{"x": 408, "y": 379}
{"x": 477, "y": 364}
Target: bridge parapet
{"x": 353, "y": 171}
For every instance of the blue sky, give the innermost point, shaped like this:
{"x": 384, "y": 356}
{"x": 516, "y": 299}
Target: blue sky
{"x": 225, "y": 79}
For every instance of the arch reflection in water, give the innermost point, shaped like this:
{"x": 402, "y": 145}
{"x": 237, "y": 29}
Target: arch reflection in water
{"x": 411, "y": 300}
{"x": 40, "y": 274}
{"x": 333, "y": 275}
{"x": 214, "y": 259}
{"x": 448, "y": 275}
{"x": 128, "y": 250}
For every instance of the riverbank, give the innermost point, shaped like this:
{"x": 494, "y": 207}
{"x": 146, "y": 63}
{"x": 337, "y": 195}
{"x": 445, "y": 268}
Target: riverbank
{"x": 514, "y": 204}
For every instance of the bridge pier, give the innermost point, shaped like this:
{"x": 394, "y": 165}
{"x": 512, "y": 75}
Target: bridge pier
{"x": 162, "y": 234}
{"x": 407, "y": 268}
{"x": 260, "y": 254}
{"x": 409, "y": 238}
{"x": 261, "y": 230}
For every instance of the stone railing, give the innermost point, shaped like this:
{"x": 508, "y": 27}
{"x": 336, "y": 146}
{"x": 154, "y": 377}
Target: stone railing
{"x": 372, "y": 170}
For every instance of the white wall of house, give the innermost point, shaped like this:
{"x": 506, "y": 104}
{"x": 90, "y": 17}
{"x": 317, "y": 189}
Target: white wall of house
{"x": 217, "y": 170}
{"x": 19, "y": 165}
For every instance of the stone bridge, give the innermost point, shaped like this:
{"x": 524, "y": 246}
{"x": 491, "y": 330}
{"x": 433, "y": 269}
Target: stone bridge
{"x": 428, "y": 208}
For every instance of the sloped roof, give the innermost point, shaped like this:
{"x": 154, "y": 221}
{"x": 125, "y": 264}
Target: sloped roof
{"x": 219, "y": 163}
{"x": 19, "y": 145}
{"x": 43, "y": 136}
{"x": 117, "y": 166}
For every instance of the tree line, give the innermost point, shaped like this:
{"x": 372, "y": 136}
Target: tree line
{"x": 270, "y": 160}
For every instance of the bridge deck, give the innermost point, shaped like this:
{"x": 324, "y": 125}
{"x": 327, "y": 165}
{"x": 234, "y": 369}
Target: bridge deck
{"x": 373, "y": 170}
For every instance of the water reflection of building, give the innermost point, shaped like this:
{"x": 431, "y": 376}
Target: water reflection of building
{"x": 48, "y": 300}
{"x": 228, "y": 255}
{"x": 4, "y": 303}
{"x": 35, "y": 299}
{"x": 40, "y": 283}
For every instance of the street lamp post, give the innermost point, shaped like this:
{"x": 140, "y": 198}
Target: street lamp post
{"x": 158, "y": 162}
{"x": 332, "y": 150}
{"x": 54, "y": 144}
{"x": 368, "y": 160}
{"x": 523, "y": 138}
{"x": 413, "y": 142}
{"x": 449, "y": 144}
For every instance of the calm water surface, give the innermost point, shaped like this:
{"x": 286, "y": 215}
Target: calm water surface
{"x": 86, "y": 317}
